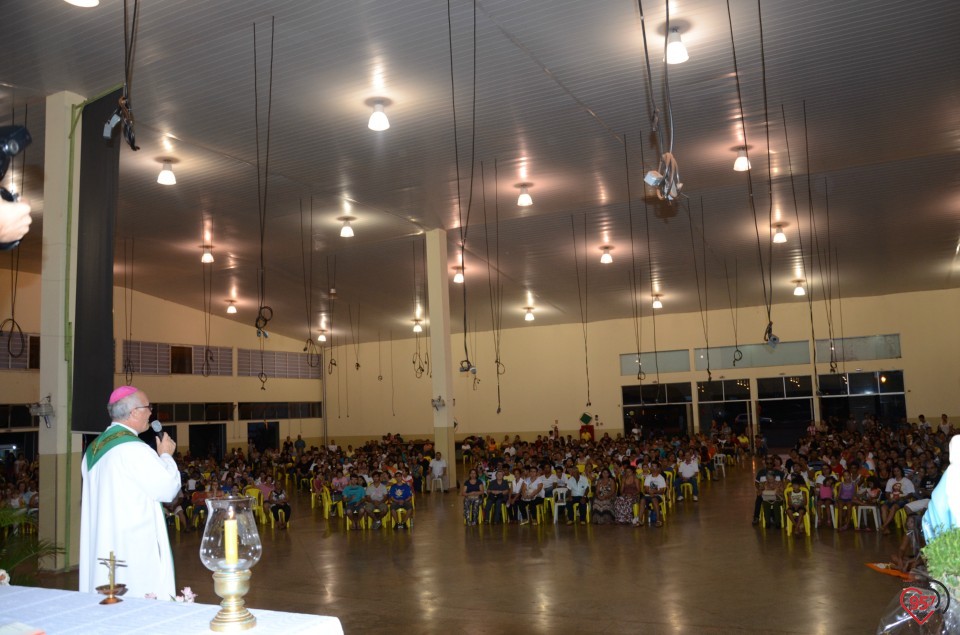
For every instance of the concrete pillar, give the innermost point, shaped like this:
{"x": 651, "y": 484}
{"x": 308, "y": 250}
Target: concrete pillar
{"x": 438, "y": 291}
{"x": 59, "y": 449}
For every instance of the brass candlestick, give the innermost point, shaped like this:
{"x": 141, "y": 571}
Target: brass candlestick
{"x": 233, "y": 615}
{"x": 230, "y": 547}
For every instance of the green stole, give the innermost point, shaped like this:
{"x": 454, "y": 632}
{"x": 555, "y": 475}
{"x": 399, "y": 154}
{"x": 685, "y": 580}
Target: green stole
{"x": 108, "y": 439}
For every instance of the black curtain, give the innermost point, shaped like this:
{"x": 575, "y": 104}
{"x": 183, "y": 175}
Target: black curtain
{"x": 93, "y": 348}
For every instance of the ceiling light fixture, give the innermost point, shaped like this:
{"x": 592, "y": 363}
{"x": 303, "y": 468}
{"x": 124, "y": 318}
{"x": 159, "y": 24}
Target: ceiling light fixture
{"x": 378, "y": 120}
{"x": 166, "y": 176}
{"x": 742, "y": 164}
{"x": 779, "y": 237}
{"x": 799, "y": 290}
{"x": 657, "y": 304}
{"x": 528, "y": 316}
{"x": 458, "y": 276}
{"x": 676, "y": 51}
{"x": 606, "y": 258}
{"x": 231, "y": 306}
{"x": 524, "y": 200}
{"x": 84, "y": 3}
{"x": 416, "y": 327}
{"x": 346, "y": 231}
{"x": 207, "y": 257}
{"x": 323, "y": 336}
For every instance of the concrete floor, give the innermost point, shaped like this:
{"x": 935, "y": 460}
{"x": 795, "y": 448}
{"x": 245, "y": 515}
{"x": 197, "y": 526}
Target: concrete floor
{"x": 706, "y": 571}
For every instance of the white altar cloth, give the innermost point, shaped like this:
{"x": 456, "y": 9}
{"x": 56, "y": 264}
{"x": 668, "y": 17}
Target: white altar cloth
{"x": 58, "y": 612}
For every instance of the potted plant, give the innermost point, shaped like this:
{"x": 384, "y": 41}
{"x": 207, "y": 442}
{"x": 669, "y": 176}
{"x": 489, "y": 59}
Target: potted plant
{"x": 943, "y": 563}
{"x": 20, "y": 550}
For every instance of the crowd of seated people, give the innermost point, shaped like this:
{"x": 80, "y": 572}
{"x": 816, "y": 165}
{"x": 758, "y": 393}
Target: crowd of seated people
{"x": 839, "y": 467}
{"x": 607, "y": 481}
{"x": 18, "y": 487}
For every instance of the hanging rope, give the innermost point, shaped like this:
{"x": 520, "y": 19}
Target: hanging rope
{"x": 426, "y": 308}
{"x": 582, "y": 296}
{"x": 734, "y": 307}
{"x": 493, "y": 284}
{"x": 836, "y": 258}
{"x": 767, "y": 293}
{"x": 309, "y": 347}
{"x": 264, "y": 312}
{"x": 465, "y": 364}
{"x": 641, "y": 375}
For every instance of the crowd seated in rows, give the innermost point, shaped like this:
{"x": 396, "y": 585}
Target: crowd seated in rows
{"x": 18, "y": 489}
{"x": 841, "y": 474}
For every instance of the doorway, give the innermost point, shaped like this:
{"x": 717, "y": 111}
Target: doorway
{"x": 208, "y": 440}
{"x": 263, "y": 434}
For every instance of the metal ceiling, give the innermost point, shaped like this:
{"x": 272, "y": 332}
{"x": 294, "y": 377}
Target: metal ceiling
{"x": 560, "y": 84}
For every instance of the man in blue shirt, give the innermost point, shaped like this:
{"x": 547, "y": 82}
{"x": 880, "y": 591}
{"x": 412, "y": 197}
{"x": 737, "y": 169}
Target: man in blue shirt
{"x": 401, "y": 497}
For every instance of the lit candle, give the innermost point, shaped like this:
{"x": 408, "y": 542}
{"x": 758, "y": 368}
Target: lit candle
{"x": 230, "y": 539}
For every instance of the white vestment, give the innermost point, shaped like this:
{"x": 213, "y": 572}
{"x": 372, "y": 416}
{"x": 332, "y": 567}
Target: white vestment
{"x": 121, "y": 512}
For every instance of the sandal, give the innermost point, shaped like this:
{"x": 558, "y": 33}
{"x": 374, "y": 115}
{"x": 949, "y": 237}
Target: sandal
{"x": 659, "y": 523}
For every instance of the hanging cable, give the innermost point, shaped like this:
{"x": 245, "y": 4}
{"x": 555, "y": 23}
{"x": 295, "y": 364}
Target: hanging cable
{"x": 393, "y": 408}
{"x": 128, "y": 367}
{"x": 264, "y": 312}
{"x": 582, "y": 295}
{"x": 701, "y": 299}
{"x": 419, "y": 365}
{"x": 803, "y": 261}
{"x": 843, "y": 341}
{"x": 206, "y": 274}
{"x": 465, "y": 364}
{"x": 653, "y": 312}
{"x": 15, "y": 329}
{"x": 309, "y": 347}
{"x": 124, "y": 111}
{"x": 734, "y": 307}
{"x": 767, "y": 293}
{"x": 826, "y": 278}
{"x": 355, "y": 335}
{"x": 15, "y": 333}
{"x": 494, "y": 285}
{"x": 331, "y": 299}
{"x": 428, "y": 367}
{"x": 379, "y": 358}
{"x": 637, "y": 312}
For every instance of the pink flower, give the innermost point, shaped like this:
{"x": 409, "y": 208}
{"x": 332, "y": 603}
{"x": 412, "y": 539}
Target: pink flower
{"x": 150, "y": 596}
{"x": 188, "y": 595}
{"x": 4, "y": 578}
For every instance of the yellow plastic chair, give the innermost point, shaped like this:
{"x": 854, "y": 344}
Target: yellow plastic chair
{"x": 257, "y": 507}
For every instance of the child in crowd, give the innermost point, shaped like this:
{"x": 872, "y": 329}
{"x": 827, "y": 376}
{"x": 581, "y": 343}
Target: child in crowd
{"x": 825, "y": 499}
{"x": 797, "y": 503}
{"x": 845, "y": 497}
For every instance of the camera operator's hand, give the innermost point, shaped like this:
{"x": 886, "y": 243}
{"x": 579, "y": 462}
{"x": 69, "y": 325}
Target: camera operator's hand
{"x": 14, "y": 220}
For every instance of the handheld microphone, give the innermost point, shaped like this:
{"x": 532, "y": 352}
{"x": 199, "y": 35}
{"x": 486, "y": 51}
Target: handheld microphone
{"x": 156, "y": 427}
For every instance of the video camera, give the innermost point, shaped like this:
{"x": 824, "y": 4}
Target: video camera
{"x": 13, "y": 139}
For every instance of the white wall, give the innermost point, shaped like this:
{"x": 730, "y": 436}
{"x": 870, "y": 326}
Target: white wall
{"x": 544, "y": 377}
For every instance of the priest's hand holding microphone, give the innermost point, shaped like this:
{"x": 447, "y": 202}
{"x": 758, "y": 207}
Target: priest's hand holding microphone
{"x": 165, "y": 443}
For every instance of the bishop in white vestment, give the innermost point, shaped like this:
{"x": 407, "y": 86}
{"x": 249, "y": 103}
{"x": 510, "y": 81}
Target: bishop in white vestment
{"x": 125, "y": 482}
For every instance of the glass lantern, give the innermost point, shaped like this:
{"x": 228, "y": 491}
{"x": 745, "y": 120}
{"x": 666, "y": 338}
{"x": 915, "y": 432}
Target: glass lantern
{"x": 230, "y": 539}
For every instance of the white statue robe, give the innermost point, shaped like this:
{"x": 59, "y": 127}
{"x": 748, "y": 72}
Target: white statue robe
{"x": 121, "y": 512}
{"x": 943, "y": 512}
